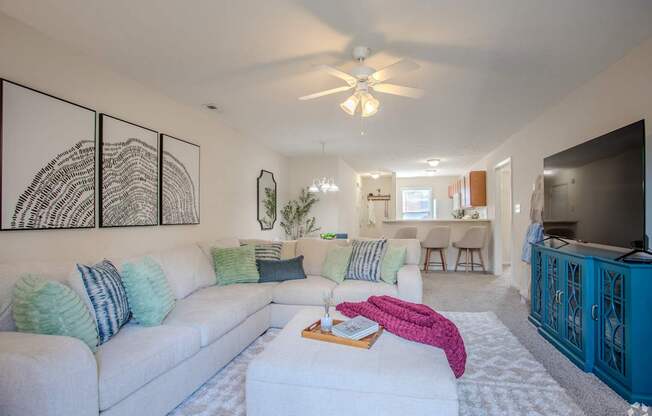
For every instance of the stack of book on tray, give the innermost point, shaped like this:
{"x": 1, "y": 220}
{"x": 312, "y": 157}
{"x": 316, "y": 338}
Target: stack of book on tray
{"x": 356, "y": 328}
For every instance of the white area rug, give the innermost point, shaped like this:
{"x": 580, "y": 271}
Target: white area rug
{"x": 501, "y": 377}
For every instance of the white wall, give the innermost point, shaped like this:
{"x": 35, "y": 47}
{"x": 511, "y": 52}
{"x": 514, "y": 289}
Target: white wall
{"x": 230, "y": 163}
{"x": 335, "y": 212}
{"x": 620, "y": 95}
{"x": 387, "y": 186}
{"x": 439, "y": 186}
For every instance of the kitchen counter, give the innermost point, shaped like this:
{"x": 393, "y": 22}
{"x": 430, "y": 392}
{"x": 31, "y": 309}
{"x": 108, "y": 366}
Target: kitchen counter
{"x": 388, "y": 228}
{"x": 407, "y": 222}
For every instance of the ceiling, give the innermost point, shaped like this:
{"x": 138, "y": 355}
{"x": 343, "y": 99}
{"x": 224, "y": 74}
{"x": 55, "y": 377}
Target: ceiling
{"x": 488, "y": 67}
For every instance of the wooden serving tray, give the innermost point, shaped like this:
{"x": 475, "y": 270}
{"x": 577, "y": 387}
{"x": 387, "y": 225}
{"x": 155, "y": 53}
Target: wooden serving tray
{"x": 314, "y": 332}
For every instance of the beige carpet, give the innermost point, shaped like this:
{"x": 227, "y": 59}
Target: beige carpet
{"x": 474, "y": 292}
{"x": 501, "y": 377}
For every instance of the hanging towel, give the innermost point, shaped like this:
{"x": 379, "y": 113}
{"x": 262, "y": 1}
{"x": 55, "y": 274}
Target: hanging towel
{"x": 536, "y": 201}
{"x": 534, "y": 234}
{"x": 415, "y": 322}
{"x": 371, "y": 220}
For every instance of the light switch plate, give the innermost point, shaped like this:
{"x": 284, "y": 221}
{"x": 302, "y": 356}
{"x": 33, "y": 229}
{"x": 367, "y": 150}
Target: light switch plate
{"x": 517, "y": 208}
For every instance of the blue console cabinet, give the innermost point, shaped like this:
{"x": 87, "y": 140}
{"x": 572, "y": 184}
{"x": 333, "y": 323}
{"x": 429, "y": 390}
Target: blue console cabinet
{"x": 597, "y": 312}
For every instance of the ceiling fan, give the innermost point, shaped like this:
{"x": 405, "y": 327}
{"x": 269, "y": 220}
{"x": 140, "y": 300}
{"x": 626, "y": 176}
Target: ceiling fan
{"x": 364, "y": 79}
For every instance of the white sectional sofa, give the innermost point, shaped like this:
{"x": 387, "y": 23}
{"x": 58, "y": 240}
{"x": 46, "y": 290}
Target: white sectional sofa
{"x": 150, "y": 370}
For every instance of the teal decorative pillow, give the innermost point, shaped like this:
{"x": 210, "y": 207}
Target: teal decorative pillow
{"x": 51, "y": 308}
{"x": 235, "y": 265}
{"x": 148, "y": 291}
{"x": 336, "y": 263}
{"x": 393, "y": 260}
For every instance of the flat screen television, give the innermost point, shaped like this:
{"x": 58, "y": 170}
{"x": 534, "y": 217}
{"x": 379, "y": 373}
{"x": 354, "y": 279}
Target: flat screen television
{"x": 595, "y": 192}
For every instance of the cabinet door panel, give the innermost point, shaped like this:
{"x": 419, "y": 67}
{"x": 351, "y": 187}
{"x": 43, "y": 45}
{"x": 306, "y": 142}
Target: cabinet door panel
{"x": 537, "y": 284}
{"x": 573, "y": 303}
{"x": 612, "y": 321}
{"x": 552, "y": 316}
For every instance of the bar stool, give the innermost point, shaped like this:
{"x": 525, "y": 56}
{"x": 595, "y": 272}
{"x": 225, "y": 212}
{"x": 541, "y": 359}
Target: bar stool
{"x": 406, "y": 232}
{"x": 437, "y": 240}
{"x": 473, "y": 240}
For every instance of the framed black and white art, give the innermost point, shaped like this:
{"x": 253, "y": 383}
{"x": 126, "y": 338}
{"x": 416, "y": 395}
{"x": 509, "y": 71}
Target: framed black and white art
{"x": 179, "y": 181}
{"x": 47, "y": 161}
{"x": 128, "y": 174}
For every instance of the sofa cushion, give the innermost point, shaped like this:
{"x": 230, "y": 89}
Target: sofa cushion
{"x": 253, "y": 296}
{"x": 336, "y": 263}
{"x": 309, "y": 291}
{"x": 366, "y": 256}
{"x": 148, "y": 290}
{"x": 137, "y": 355}
{"x": 314, "y": 251}
{"x": 289, "y": 249}
{"x": 235, "y": 265}
{"x": 212, "y": 319}
{"x": 49, "y": 307}
{"x": 359, "y": 290}
{"x": 108, "y": 297}
{"x": 281, "y": 270}
{"x": 186, "y": 269}
{"x": 207, "y": 246}
{"x": 393, "y": 260}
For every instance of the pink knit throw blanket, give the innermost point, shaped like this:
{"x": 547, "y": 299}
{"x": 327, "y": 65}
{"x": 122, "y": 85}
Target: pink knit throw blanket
{"x": 415, "y": 322}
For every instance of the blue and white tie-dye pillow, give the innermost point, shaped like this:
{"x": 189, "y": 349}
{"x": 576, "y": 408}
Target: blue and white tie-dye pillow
{"x": 366, "y": 258}
{"x": 108, "y": 297}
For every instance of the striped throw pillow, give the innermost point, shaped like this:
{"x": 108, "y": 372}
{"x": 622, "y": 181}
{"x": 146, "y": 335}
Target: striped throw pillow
{"x": 107, "y": 295}
{"x": 269, "y": 251}
{"x": 366, "y": 257}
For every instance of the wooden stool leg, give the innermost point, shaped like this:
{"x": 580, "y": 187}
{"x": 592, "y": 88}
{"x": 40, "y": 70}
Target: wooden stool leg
{"x": 481, "y": 261}
{"x": 466, "y": 260}
{"x": 472, "y": 267}
{"x": 459, "y": 253}
{"x": 441, "y": 256}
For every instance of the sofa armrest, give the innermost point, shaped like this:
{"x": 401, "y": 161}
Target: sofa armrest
{"x": 46, "y": 375}
{"x": 410, "y": 284}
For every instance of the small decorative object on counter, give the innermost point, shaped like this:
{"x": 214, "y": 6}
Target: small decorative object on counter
{"x": 458, "y": 214}
{"x": 475, "y": 215}
{"x": 328, "y": 236}
{"x": 327, "y": 320}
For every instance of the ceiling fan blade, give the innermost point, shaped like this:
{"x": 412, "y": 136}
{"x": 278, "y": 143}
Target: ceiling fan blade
{"x": 399, "y": 90}
{"x": 398, "y": 68}
{"x": 327, "y": 92}
{"x": 350, "y": 79}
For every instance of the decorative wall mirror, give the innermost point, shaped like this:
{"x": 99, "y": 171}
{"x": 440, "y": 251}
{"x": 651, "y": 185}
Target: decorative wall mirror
{"x": 266, "y": 200}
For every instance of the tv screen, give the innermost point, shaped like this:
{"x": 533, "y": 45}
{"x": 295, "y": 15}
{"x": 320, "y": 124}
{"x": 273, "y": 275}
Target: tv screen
{"x": 595, "y": 192}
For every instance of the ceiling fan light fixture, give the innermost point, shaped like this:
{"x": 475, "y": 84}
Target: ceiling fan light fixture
{"x": 433, "y": 162}
{"x": 370, "y": 105}
{"x": 351, "y": 104}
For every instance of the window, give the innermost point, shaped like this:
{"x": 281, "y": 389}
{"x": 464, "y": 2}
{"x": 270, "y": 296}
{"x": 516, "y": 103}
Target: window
{"x": 416, "y": 203}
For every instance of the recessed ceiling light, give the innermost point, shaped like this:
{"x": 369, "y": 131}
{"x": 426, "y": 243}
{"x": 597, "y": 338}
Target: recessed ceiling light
{"x": 431, "y": 172}
{"x": 212, "y": 107}
{"x": 433, "y": 162}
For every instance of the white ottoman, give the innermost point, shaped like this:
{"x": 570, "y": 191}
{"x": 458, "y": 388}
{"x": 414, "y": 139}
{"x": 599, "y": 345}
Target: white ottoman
{"x": 305, "y": 377}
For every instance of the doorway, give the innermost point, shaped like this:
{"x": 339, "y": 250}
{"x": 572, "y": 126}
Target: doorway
{"x": 503, "y": 232}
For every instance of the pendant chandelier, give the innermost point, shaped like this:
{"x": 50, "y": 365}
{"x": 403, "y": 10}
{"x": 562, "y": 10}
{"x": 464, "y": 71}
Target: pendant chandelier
{"x": 323, "y": 184}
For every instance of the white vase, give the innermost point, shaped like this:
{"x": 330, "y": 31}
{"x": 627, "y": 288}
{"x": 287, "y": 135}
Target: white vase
{"x": 326, "y": 324}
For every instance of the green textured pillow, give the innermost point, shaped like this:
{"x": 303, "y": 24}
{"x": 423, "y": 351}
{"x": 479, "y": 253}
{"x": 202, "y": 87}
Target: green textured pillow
{"x": 235, "y": 265}
{"x": 336, "y": 263}
{"x": 393, "y": 260}
{"x": 149, "y": 294}
{"x": 51, "y": 308}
